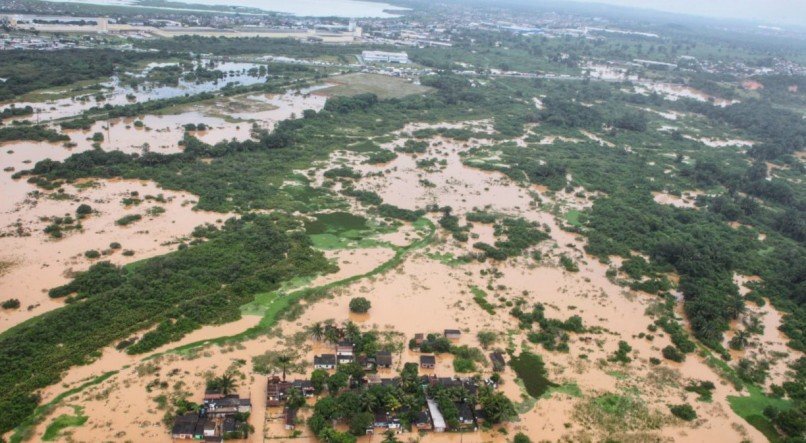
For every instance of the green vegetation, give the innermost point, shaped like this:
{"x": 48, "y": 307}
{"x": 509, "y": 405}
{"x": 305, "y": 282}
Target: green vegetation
{"x": 32, "y": 133}
{"x": 64, "y": 421}
{"x": 683, "y": 412}
{"x": 202, "y": 284}
{"x": 531, "y": 370}
{"x": 28, "y": 70}
{"x": 11, "y": 303}
{"x": 360, "y": 305}
{"x": 480, "y": 297}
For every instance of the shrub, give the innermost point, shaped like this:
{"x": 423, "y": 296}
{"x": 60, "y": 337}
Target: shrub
{"x": 11, "y": 303}
{"x": 360, "y": 305}
{"x": 520, "y": 437}
{"x": 684, "y": 412}
{"x": 128, "y": 219}
{"x": 114, "y": 245}
{"x": 92, "y": 254}
{"x": 83, "y": 210}
{"x": 671, "y": 353}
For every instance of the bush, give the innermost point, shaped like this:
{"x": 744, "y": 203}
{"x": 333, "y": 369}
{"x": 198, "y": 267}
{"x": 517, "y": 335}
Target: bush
{"x": 671, "y": 353}
{"x": 128, "y": 219}
{"x": 684, "y": 412}
{"x": 92, "y": 254}
{"x": 360, "y": 305}
{"x": 115, "y": 245}
{"x": 520, "y": 437}
{"x": 11, "y": 303}
{"x": 83, "y": 210}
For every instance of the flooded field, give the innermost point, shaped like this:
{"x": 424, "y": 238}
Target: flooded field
{"x": 425, "y": 294}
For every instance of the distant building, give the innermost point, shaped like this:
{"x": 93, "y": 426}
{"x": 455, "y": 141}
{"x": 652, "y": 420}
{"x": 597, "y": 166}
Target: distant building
{"x": 345, "y": 348}
{"x": 384, "y": 57}
{"x": 290, "y": 418}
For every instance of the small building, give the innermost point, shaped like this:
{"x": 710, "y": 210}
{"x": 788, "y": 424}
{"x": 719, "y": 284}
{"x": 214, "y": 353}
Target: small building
{"x": 231, "y": 404}
{"x": 438, "y": 420}
{"x": 324, "y": 361}
{"x": 305, "y": 387}
{"x": 419, "y": 338}
{"x": 381, "y": 420}
{"x": 290, "y": 419}
{"x": 366, "y": 363}
{"x": 343, "y": 359}
{"x": 423, "y": 421}
{"x": 466, "y": 417}
{"x": 499, "y": 364}
{"x": 210, "y": 429}
{"x": 428, "y": 361}
{"x": 276, "y": 391}
{"x": 453, "y": 334}
{"x": 184, "y": 427}
{"x": 383, "y": 359}
{"x": 384, "y": 57}
{"x": 344, "y": 348}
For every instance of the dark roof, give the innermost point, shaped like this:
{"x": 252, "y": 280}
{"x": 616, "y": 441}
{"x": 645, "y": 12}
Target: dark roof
{"x": 345, "y": 343}
{"x": 325, "y": 359}
{"x": 290, "y": 416}
{"x": 428, "y": 360}
{"x": 498, "y": 360}
{"x": 422, "y": 418}
{"x": 453, "y": 332}
{"x": 185, "y": 424}
{"x": 383, "y": 358}
{"x": 230, "y": 424}
{"x": 465, "y": 412}
{"x": 302, "y": 384}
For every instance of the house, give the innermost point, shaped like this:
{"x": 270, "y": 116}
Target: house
{"x": 230, "y": 404}
{"x": 423, "y": 421}
{"x": 453, "y": 334}
{"x": 305, "y": 387}
{"x": 373, "y": 379}
{"x": 366, "y": 363}
{"x": 428, "y": 361}
{"x": 210, "y": 429}
{"x": 290, "y": 418}
{"x": 438, "y": 420}
{"x": 184, "y": 427}
{"x": 381, "y": 420}
{"x": 499, "y": 364}
{"x": 324, "y": 361}
{"x": 419, "y": 338}
{"x": 343, "y": 359}
{"x": 466, "y": 416}
{"x": 345, "y": 348}
{"x": 230, "y": 425}
{"x": 383, "y": 359}
{"x": 276, "y": 391}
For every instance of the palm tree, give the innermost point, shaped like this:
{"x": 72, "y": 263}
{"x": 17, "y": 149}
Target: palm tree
{"x": 317, "y": 331}
{"x": 283, "y": 361}
{"x": 226, "y": 383}
{"x": 332, "y": 334}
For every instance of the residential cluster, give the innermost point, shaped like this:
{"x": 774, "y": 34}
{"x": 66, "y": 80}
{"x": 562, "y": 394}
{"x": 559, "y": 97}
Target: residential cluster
{"x": 221, "y": 416}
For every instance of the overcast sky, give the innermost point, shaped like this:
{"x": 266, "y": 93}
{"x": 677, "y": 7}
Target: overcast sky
{"x": 775, "y": 11}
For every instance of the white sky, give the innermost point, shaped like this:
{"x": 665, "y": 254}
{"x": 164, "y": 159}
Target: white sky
{"x": 774, "y": 11}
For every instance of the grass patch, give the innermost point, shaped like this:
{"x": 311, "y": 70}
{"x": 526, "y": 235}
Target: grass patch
{"x": 751, "y": 408}
{"x": 572, "y": 217}
{"x": 531, "y": 370}
{"x": 571, "y": 389}
{"x": 64, "y": 421}
{"x": 383, "y": 86}
{"x": 24, "y": 431}
{"x": 480, "y": 297}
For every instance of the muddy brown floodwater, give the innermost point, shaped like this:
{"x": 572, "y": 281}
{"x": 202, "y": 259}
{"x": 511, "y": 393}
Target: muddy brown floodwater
{"x": 423, "y": 294}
